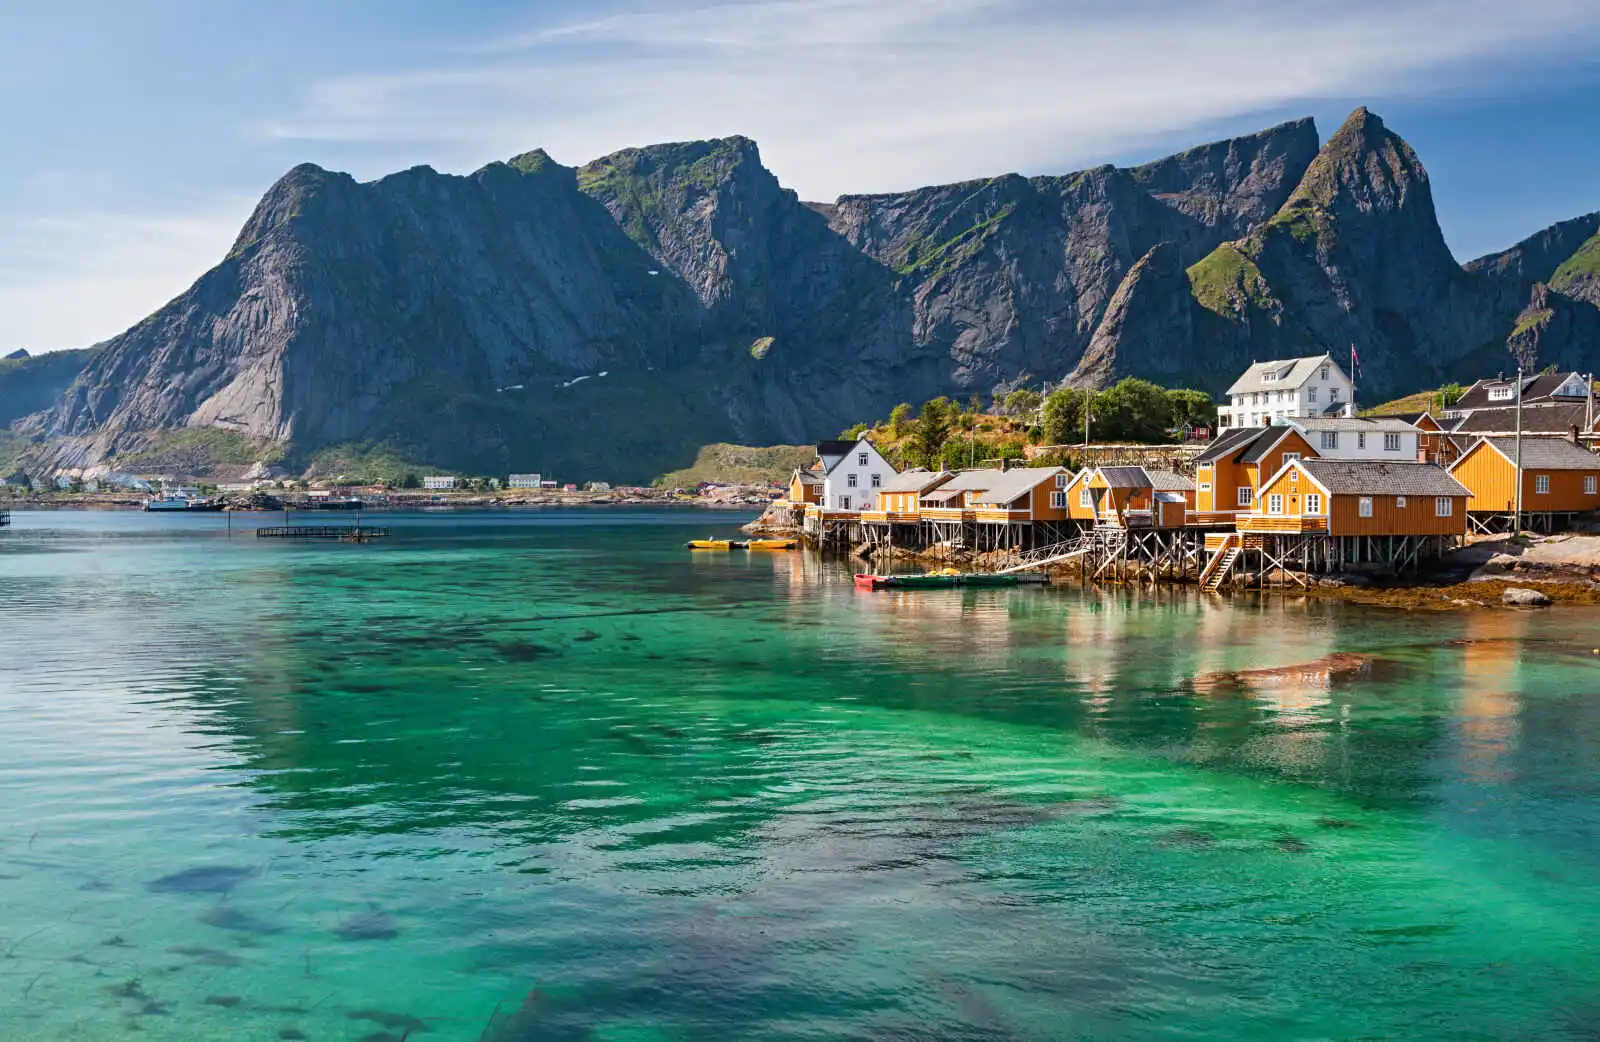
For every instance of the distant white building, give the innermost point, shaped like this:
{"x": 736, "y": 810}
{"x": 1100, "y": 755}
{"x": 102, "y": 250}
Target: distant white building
{"x": 524, "y": 480}
{"x": 1380, "y": 439}
{"x": 1291, "y": 388}
{"x": 439, "y": 482}
{"x": 853, "y": 474}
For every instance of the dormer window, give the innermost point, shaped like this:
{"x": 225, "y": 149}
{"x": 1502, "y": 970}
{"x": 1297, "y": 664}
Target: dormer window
{"x": 1500, "y": 394}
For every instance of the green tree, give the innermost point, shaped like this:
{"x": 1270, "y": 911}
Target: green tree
{"x": 410, "y": 480}
{"x": 931, "y": 430}
{"x": 1451, "y": 393}
{"x": 1022, "y": 403}
{"x": 1132, "y": 410}
{"x": 852, "y": 433}
{"x": 1191, "y": 407}
{"x": 899, "y": 419}
{"x": 1062, "y": 422}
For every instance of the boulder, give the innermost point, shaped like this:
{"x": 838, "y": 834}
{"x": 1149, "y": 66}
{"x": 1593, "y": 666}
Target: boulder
{"x": 1522, "y": 597}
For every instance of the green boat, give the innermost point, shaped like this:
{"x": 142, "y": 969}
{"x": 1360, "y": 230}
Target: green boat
{"x": 936, "y": 581}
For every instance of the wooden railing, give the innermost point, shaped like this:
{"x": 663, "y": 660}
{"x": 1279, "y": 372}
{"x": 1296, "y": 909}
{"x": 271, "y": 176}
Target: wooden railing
{"x": 999, "y": 516}
{"x": 946, "y": 514}
{"x": 1281, "y": 523}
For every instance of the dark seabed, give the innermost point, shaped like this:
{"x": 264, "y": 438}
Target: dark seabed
{"x": 549, "y": 776}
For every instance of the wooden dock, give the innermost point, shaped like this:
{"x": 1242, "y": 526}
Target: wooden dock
{"x": 330, "y": 533}
{"x": 5, "y": 517}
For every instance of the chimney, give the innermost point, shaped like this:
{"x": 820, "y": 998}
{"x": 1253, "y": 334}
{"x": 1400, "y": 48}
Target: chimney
{"x": 1572, "y": 436}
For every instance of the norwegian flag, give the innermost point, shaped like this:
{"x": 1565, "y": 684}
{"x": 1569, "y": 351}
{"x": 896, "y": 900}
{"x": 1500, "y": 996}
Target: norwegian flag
{"x": 1355, "y": 362}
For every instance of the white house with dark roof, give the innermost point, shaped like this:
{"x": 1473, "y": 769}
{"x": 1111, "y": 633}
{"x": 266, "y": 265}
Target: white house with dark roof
{"x": 1290, "y": 388}
{"x": 855, "y": 473}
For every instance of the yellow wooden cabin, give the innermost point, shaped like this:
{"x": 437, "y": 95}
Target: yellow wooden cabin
{"x": 1359, "y": 498}
{"x": 1026, "y": 494}
{"x": 805, "y": 487}
{"x": 900, "y": 498}
{"x": 953, "y": 500}
{"x": 1228, "y": 474}
{"x": 1558, "y": 477}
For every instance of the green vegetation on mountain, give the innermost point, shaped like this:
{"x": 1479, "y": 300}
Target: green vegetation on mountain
{"x": 1226, "y": 280}
{"x": 723, "y": 464}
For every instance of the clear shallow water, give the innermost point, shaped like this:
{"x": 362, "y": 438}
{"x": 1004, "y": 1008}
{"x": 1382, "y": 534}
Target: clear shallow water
{"x": 549, "y": 776}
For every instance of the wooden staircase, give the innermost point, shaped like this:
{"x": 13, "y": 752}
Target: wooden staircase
{"x": 1221, "y": 564}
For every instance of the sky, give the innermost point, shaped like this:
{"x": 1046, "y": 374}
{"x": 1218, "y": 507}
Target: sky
{"x": 136, "y": 135}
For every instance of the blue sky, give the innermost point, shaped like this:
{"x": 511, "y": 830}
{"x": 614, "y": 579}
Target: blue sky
{"x": 138, "y": 133}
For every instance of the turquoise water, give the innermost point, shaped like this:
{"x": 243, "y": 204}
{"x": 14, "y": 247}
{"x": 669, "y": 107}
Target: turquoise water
{"x": 550, "y": 776}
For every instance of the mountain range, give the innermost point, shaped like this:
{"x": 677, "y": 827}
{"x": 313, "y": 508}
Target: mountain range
{"x": 609, "y": 319}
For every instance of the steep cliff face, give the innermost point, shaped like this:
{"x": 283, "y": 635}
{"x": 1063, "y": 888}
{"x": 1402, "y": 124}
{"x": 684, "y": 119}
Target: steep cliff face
{"x": 609, "y": 319}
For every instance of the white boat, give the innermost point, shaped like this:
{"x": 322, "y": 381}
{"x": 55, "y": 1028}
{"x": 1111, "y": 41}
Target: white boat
{"x": 180, "y": 499}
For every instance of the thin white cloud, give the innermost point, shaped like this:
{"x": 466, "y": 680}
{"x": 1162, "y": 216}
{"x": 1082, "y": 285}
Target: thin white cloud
{"x": 70, "y": 281}
{"x": 872, "y": 95}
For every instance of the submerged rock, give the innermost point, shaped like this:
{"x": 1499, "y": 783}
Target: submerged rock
{"x": 211, "y": 879}
{"x": 394, "y": 1021}
{"x": 226, "y": 917}
{"x": 373, "y": 926}
{"x": 1521, "y": 597}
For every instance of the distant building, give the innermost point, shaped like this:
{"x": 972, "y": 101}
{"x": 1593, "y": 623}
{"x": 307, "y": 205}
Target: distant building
{"x": 1289, "y": 388}
{"x": 439, "y": 482}
{"x": 524, "y": 481}
{"x": 1387, "y": 439}
{"x": 597, "y": 486}
{"x": 1539, "y": 390}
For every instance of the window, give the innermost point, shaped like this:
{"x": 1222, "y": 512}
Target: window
{"x": 1399, "y": 502}
{"x": 1290, "y": 457}
{"x": 1205, "y": 486}
{"x": 1361, "y": 439}
{"x": 1541, "y": 484}
{"x": 1247, "y": 495}
{"x": 1311, "y": 394}
{"x": 1274, "y": 504}
{"x": 1062, "y": 479}
{"x": 1443, "y": 506}
{"x": 1330, "y": 439}
{"x": 1499, "y": 394}
{"x": 844, "y": 502}
{"x": 1058, "y": 500}
{"x": 1085, "y": 496}
{"x": 861, "y": 459}
{"x": 1313, "y": 502}
{"x": 1364, "y": 506}
{"x": 850, "y": 480}
{"x": 877, "y": 481}
{"x": 1391, "y": 443}
{"x": 1589, "y": 484}
{"x": 1324, "y": 372}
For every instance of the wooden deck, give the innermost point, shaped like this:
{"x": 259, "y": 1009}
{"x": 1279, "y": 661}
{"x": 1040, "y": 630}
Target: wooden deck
{"x": 1287, "y": 524}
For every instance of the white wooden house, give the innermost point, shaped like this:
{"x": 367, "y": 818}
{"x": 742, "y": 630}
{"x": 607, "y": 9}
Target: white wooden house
{"x": 856, "y": 473}
{"x": 1272, "y": 392}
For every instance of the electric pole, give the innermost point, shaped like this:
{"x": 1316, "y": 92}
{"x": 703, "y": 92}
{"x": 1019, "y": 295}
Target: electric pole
{"x": 1516, "y": 518}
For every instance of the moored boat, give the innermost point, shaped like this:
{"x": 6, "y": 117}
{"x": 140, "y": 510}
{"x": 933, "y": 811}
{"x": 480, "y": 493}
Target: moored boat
{"x": 944, "y": 580}
{"x": 181, "y": 500}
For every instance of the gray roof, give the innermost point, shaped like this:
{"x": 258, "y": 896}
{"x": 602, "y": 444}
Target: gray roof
{"x": 808, "y": 477}
{"x": 1291, "y": 372}
{"x": 1264, "y": 443}
{"x": 1547, "y": 453}
{"x": 1169, "y": 481}
{"x": 914, "y": 480}
{"x": 1540, "y": 387}
{"x": 1229, "y": 443}
{"x": 1014, "y": 484}
{"x": 1125, "y": 477}
{"x": 943, "y": 494}
{"x": 1353, "y": 423}
{"x": 972, "y": 480}
{"x": 1359, "y": 477}
{"x": 1547, "y": 419}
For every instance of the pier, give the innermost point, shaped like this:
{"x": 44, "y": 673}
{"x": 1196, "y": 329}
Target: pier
{"x": 326, "y": 533}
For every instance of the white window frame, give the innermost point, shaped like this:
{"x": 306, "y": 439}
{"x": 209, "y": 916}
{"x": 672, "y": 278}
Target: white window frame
{"x": 1330, "y": 440}
{"x": 1399, "y": 502}
{"x": 1541, "y": 484}
{"x": 1311, "y": 394}
{"x": 1086, "y": 496}
{"x": 844, "y": 502}
{"x": 1314, "y": 503}
{"x": 1364, "y": 506}
{"x": 1290, "y": 457}
{"x": 1391, "y": 442}
{"x": 1275, "y": 503}
{"x": 1443, "y": 506}
{"x": 1244, "y": 495}
{"x": 1325, "y": 372}
{"x": 1500, "y": 394}
{"x": 851, "y": 480}
{"x": 877, "y": 481}
{"x": 1361, "y": 439}
{"x": 1058, "y": 500}
{"x": 1205, "y": 486}
{"x": 1591, "y": 484}
{"x": 861, "y": 459}
{"x": 1062, "y": 479}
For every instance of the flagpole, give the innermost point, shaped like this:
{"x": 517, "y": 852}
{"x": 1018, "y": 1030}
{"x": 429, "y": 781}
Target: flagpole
{"x": 1516, "y": 519}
